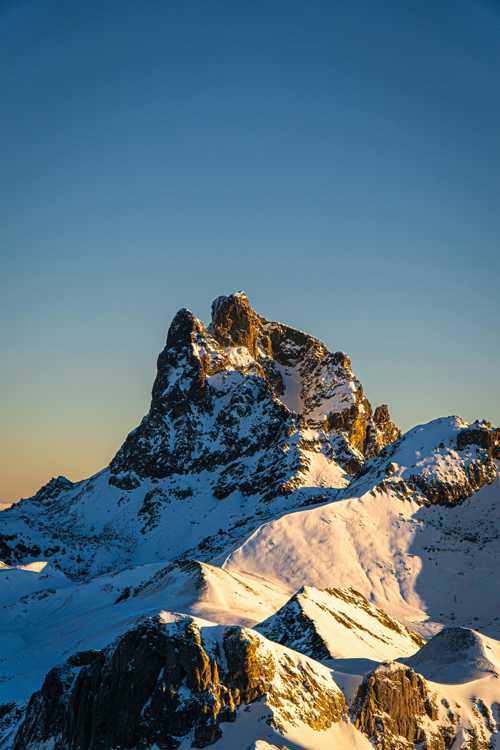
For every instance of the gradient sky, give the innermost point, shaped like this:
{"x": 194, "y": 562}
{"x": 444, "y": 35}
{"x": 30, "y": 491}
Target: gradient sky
{"x": 340, "y": 161}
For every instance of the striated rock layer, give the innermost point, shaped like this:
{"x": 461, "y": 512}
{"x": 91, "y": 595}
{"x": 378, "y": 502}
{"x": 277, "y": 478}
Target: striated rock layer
{"x": 339, "y": 623}
{"x": 395, "y": 709}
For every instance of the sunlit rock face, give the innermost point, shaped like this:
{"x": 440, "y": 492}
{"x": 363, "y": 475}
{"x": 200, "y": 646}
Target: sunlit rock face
{"x": 396, "y": 710}
{"x": 381, "y": 431}
{"x": 160, "y": 683}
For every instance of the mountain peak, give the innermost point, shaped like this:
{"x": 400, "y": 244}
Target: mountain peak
{"x": 182, "y": 327}
{"x": 236, "y": 298}
{"x": 455, "y": 655}
{"x": 212, "y": 382}
{"x": 235, "y": 322}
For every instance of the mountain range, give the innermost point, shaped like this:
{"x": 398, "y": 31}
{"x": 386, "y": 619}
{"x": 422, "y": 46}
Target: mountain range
{"x": 267, "y": 562}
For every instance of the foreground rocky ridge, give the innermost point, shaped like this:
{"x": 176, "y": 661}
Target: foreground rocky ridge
{"x": 174, "y": 682}
{"x": 399, "y": 708}
{"x": 160, "y": 683}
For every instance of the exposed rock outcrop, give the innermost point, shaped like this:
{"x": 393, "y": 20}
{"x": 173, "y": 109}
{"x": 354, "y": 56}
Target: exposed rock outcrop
{"x": 203, "y": 412}
{"x": 443, "y": 462}
{"x": 236, "y": 324}
{"x": 160, "y": 683}
{"x": 380, "y": 431}
{"x": 396, "y": 710}
{"x": 53, "y": 488}
{"x": 483, "y": 435}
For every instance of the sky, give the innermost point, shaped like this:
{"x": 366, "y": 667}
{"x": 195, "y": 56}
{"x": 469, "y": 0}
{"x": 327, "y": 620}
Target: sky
{"x": 337, "y": 160}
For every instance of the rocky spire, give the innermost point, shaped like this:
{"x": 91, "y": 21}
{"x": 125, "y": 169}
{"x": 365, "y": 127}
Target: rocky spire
{"x": 189, "y": 356}
{"x": 235, "y": 323}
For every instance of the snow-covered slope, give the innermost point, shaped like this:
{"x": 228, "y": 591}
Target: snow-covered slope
{"x": 457, "y": 655}
{"x": 424, "y": 565}
{"x": 45, "y": 617}
{"x": 442, "y": 462}
{"x": 339, "y": 623}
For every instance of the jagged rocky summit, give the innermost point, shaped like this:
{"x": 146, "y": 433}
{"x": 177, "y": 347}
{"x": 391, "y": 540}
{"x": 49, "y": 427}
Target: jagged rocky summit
{"x": 259, "y": 567}
{"x": 244, "y": 385}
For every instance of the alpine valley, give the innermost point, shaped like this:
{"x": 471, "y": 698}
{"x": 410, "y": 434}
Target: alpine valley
{"x": 266, "y": 563}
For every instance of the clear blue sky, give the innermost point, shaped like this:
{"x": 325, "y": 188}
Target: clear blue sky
{"x": 340, "y": 161}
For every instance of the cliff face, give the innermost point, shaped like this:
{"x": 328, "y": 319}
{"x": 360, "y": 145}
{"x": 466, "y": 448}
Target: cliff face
{"x": 316, "y": 384}
{"x": 161, "y": 683}
{"x": 205, "y": 413}
{"x": 181, "y": 681}
{"x": 380, "y": 431}
{"x": 398, "y": 710}
{"x": 395, "y": 709}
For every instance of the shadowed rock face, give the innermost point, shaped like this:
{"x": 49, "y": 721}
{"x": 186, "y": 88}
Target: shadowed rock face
{"x": 159, "y": 683}
{"x": 450, "y": 493}
{"x": 130, "y": 695}
{"x": 203, "y": 412}
{"x": 482, "y": 435}
{"x": 292, "y": 627}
